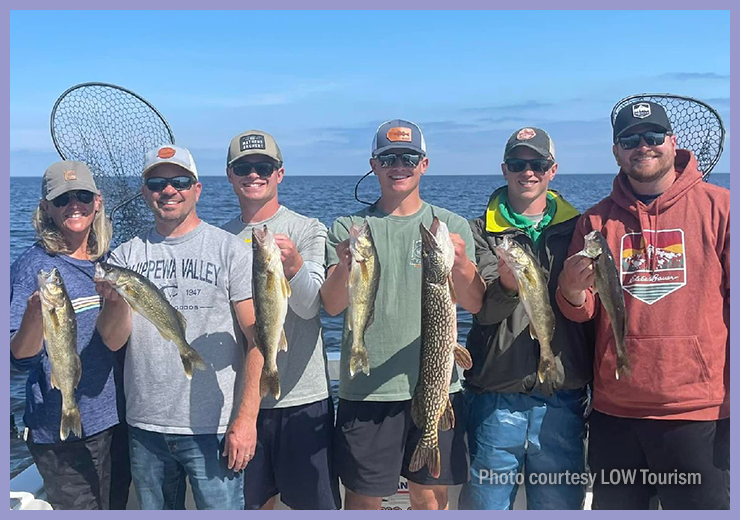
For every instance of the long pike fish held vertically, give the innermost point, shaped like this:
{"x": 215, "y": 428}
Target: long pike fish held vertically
{"x": 147, "y": 300}
{"x": 431, "y": 408}
{"x": 271, "y": 292}
{"x": 60, "y": 336}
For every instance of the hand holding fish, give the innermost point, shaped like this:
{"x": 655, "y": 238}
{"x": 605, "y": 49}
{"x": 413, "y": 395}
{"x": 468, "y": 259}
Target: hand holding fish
{"x": 576, "y": 278}
{"x": 289, "y": 255}
{"x": 105, "y": 289}
{"x": 506, "y": 279}
{"x": 344, "y": 255}
{"x": 33, "y": 308}
{"x": 461, "y": 257}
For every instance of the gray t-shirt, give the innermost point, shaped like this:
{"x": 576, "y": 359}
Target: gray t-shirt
{"x": 201, "y": 273}
{"x": 394, "y": 338}
{"x": 302, "y": 369}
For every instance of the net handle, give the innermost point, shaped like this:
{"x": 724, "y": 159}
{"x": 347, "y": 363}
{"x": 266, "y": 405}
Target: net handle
{"x": 625, "y": 101}
{"x": 107, "y": 85}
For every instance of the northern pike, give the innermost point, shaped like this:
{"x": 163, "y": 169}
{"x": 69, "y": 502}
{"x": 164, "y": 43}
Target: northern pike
{"x": 364, "y": 278}
{"x": 271, "y": 292}
{"x": 534, "y": 295}
{"x": 147, "y": 300}
{"x": 60, "y": 335}
{"x": 609, "y": 288}
{"x": 431, "y": 407}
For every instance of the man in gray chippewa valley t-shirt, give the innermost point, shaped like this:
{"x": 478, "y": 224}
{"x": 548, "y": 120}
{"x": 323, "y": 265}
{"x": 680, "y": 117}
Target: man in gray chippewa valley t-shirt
{"x": 294, "y": 432}
{"x": 180, "y": 426}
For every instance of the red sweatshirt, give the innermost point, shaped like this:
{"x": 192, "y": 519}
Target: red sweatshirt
{"x": 674, "y": 257}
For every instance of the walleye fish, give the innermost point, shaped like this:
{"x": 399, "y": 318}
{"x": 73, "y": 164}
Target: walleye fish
{"x": 609, "y": 288}
{"x": 533, "y": 293}
{"x": 271, "y": 293}
{"x": 364, "y": 277}
{"x": 146, "y": 299}
{"x": 60, "y": 335}
{"x": 431, "y": 408}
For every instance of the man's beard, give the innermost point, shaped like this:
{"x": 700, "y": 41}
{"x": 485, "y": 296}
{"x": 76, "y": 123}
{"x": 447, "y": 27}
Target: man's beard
{"x": 653, "y": 172}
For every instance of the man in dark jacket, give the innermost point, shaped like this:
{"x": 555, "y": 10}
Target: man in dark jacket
{"x": 514, "y": 421}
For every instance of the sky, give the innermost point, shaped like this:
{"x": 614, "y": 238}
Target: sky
{"x": 322, "y": 82}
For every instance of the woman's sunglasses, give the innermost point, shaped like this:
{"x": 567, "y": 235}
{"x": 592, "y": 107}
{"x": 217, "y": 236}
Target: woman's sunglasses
{"x": 263, "y": 169}
{"x": 536, "y": 165}
{"x": 82, "y": 196}
{"x": 409, "y": 160}
{"x": 651, "y": 138}
{"x": 180, "y": 183}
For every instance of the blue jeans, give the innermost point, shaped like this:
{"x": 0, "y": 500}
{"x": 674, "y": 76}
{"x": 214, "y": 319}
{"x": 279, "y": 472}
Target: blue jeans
{"x": 544, "y": 435}
{"x": 160, "y": 462}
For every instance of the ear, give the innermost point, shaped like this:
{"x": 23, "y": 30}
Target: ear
{"x": 98, "y": 201}
{"x": 373, "y": 163}
{"x": 198, "y": 188}
{"x": 229, "y": 175}
{"x": 280, "y": 173}
{"x": 553, "y": 171}
{"x": 615, "y": 153}
{"x": 424, "y": 164}
{"x": 503, "y": 169}
{"x": 674, "y": 141}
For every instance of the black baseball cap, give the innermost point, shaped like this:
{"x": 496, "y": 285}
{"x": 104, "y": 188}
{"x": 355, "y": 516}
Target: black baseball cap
{"x": 640, "y": 113}
{"x": 533, "y": 138}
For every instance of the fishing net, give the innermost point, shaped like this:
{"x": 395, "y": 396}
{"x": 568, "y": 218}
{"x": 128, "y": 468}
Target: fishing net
{"x": 697, "y": 126}
{"x": 110, "y": 128}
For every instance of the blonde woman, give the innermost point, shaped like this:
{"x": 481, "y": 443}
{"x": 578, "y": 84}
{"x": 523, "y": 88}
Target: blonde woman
{"x": 72, "y": 232}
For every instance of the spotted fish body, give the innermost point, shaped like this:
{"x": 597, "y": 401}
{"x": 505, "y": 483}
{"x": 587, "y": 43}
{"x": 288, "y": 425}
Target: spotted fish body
{"x": 60, "y": 336}
{"x": 431, "y": 408}
{"x": 271, "y": 292}
{"x": 609, "y": 288}
{"x": 146, "y": 299}
{"x": 364, "y": 278}
{"x": 535, "y": 297}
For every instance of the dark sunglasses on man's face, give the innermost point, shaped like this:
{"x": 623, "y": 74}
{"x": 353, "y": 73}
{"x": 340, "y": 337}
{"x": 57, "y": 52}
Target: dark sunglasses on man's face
{"x": 263, "y": 169}
{"x": 409, "y": 160}
{"x": 536, "y": 165}
{"x": 651, "y": 138}
{"x": 82, "y": 196}
{"x": 180, "y": 183}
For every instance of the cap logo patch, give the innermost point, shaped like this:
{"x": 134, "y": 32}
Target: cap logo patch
{"x": 70, "y": 175}
{"x": 641, "y": 110}
{"x": 399, "y": 133}
{"x": 525, "y": 134}
{"x": 252, "y": 142}
{"x": 166, "y": 153}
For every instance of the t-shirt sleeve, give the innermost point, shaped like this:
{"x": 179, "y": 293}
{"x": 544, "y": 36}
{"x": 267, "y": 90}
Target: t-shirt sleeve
{"x": 240, "y": 270}
{"x": 339, "y": 232}
{"x": 118, "y": 257}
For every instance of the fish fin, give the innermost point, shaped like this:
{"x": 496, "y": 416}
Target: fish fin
{"x": 270, "y": 383}
{"x": 71, "y": 422}
{"x": 78, "y": 370}
{"x": 530, "y": 276}
{"x": 451, "y": 285}
{"x": 359, "y": 361}
{"x": 283, "y": 344}
{"x": 623, "y": 366}
{"x": 447, "y": 421}
{"x": 462, "y": 356}
{"x": 532, "y": 332}
{"x": 426, "y": 456}
{"x": 285, "y": 286}
{"x": 417, "y": 414}
{"x": 191, "y": 360}
{"x": 54, "y": 383}
{"x": 364, "y": 271}
{"x": 182, "y": 319}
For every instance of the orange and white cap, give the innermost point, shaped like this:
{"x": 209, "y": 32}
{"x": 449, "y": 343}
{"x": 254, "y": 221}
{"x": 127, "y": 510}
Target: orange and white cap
{"x": 169, "y": 154}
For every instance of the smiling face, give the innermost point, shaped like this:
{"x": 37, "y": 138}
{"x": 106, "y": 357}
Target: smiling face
{"x": 75, "y": 218}
{"x": 398, "y": 179}
{"x": 171, "y": 205}
{"x": 253, "y": 188}
{"x": 645, "y": 163}
{"x": 527, "y": 190}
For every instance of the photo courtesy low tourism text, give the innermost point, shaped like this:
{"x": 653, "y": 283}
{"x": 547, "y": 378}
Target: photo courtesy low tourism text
{"x": 612, "y": 477}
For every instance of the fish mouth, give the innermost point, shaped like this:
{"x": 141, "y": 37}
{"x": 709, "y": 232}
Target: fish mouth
{"x": 99, "y": 275}
{"x": 428, "y": 240}
{"x": 259, "y": 235}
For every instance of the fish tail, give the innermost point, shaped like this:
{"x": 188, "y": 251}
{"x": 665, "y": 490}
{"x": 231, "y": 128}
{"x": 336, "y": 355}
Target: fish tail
{"x": 71, "y": 422}
{"x": 270, "y": 383}
{"x": 623, "y": 366}
{"x": 191, "y": 361}
{"x": 547, "y": 370}
{"x": 359, "y": 361}
{"x": 426, "y": 456}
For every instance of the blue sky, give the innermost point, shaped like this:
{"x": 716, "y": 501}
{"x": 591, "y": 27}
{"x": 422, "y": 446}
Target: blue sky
{"x": 321, "y": 82}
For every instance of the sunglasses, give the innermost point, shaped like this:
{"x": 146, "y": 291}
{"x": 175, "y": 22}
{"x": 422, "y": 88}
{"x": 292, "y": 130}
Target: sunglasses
{"x": 180, "y": 183}
{"x": 409, "y": 160}
{"x": 651, "y": 138}
{"x": 263, "y": 169}
{"x": 82, "y": 196}
{"x": 536, "y": 165}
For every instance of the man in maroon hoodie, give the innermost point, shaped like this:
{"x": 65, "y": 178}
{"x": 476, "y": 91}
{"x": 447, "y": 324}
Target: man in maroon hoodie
{"x": 666, "y": 428}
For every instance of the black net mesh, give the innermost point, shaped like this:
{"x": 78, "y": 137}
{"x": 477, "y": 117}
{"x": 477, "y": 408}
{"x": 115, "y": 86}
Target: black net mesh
{"x": 110, "y": 129}
{"x": 697, "y": 126}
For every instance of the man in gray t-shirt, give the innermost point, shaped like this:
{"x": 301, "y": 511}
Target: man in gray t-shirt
{"x": 180, "y": 426}
{"x": 294, "y": 432}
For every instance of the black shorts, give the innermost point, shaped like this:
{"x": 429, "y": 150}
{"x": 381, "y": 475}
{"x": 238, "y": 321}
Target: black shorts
{"x": 293, "y": 458}
{"x": 77, "y": 474}
{"x": 374, "y": 442}
{"x": 654, "y": 450}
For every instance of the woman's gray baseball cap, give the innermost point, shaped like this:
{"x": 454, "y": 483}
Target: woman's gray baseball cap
{"x": 64, "y": 176}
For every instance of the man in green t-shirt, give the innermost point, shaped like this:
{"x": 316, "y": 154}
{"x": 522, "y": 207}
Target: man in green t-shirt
{"x": 375, "y": 435}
